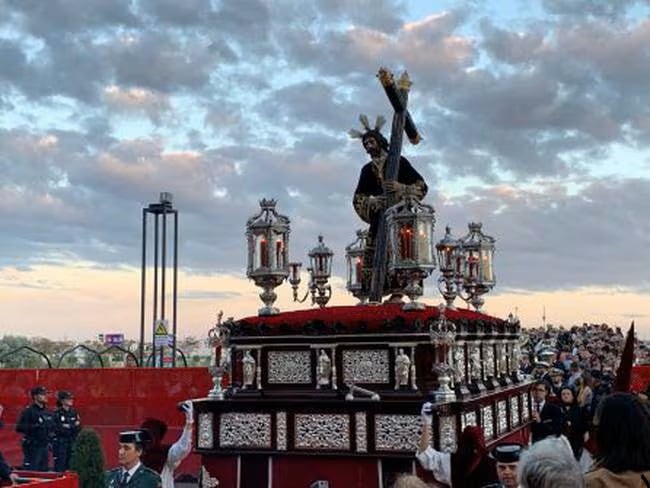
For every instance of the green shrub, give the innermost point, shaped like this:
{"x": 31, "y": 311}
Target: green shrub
{"x": 88, "y": 459}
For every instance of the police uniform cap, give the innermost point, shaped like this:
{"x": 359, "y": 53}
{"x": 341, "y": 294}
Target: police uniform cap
{"x": 64, "y": 395}
{"x": 134, "y": 437}
{"x": 547, "y": 353}
{"x": 507, "y": 453}
{"x": 556, "y": 371}
{"x": 541, "y": 364}
{"x": 38, "y": 390}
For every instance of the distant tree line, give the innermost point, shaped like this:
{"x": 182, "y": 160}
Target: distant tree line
{"x": 35, "y": 352}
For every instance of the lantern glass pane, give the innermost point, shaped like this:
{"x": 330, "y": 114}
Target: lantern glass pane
{"x": 278, "y": 250}
{"x": 486, "y": 265}
{"x": 425, "y": 250}
{"x": 406, "y": 242}
{"x": 357, "y": 270}
{"x": 260, "y": 257}
{"x": 472, "y": 265}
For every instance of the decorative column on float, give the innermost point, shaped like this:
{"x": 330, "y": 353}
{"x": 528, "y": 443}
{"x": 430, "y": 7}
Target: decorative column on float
{"x": 489, "y": 363}
{"x": 268, "y": 250}
{"x": 410, "y": 239}
{"x": 219, "y": 341}
{"x": 475, "y": 366}
{"x": 459, "y": 364}
{"x": 502, "y": 361}
{"x": 442, "y": 334}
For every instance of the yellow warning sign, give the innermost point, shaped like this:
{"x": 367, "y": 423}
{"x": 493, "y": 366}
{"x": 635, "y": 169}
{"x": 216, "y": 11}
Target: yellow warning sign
{"x": 161, "y": 327}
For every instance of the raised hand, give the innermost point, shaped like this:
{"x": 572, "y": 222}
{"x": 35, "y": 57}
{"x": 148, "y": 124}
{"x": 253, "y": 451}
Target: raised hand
{"x": 427, "y": 413}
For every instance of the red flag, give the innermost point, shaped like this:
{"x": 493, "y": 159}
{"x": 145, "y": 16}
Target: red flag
{"x": 624, "y": 372}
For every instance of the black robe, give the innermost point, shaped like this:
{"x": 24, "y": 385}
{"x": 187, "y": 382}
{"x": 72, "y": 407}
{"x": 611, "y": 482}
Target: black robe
{"x": 371, "y": 185}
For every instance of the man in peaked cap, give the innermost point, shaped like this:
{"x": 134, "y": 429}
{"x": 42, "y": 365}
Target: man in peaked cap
{"x": 131, "y": 472}
{"x": 35, "y": 423}
{"x": 507, "y": 458}
{"x": 557, "y": 381}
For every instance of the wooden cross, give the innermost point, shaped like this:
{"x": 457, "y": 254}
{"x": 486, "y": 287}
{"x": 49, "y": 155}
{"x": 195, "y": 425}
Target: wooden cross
{"x": 398, "y": 95}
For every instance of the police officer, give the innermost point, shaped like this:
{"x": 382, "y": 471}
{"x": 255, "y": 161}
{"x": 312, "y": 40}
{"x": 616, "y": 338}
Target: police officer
{"x": 132, "y": 473}
{"x": 7, "y": 476}
{"x": 507, "y": 457}
{"x": 35, "y": 423}
{"x": 67, "y": 424}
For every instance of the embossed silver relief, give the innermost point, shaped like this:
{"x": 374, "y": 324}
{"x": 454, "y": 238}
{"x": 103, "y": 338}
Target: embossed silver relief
{"x": 414, "y": 385}
{"x": 322, "y": 431}
{"x": 488, "y": 358}
{"x": 525, "y": 407}
{"x": 475, "y": 362}
{"x": 487, "y": 421}
{"x": 459, "y": 363}
{"x": 516, "y": 355}
{"x": 502, "y": 358}
{"x": 281, "y": 431}
{"x": 245, "y": 430}
{"x": 366, "y": 366}
{"x": 468, "y": 418}
{"x": 324, "y": 370}
{"x": 286, "y": 367}
{"x": 333, "y": 357}
{"x": 397, "y": 432}
{"x": 447, "y": 433}
{"x": 205, "y": 439}
{"x": 361, "y": 432}
{"x": 502, "y": 416}
{"x": 402, "y": 369}
{"x": 249, "y": 369}
{"x": 514, "y": 411}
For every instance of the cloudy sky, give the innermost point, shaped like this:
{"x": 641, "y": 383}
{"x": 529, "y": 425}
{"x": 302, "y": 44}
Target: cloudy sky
{"x": 535, "y": 117}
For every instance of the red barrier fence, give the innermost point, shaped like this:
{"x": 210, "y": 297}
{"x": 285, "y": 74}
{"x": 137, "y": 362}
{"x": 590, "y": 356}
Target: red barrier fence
{"x": 109, "y": 400}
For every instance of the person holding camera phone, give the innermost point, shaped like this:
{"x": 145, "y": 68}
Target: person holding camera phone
{"x": 471, "y": 466}
{"x": 163, "y": 458}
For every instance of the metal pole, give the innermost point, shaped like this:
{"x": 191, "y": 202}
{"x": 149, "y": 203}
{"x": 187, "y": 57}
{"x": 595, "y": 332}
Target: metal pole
{"x": 175, "y": 287}
{"x": 155, "y": 290}
{"x": 163, "y": 262}
{"x": 163, "y": 269}
{"x": 143, "y": 285}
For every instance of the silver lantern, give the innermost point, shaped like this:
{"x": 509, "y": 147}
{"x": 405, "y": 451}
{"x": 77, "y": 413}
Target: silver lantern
{"x": 320, "y": 270}
{"x": 449, "y": 263}
{"x": 410, "y": 238}
{"x": 268, "y": 251}
{"x": 354, "y": 259}
{"x": 476, "y": 252}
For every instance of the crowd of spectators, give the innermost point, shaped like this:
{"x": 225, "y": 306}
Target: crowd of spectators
{"x": 581, "y": 362}
{"x": 582, "y": 432}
